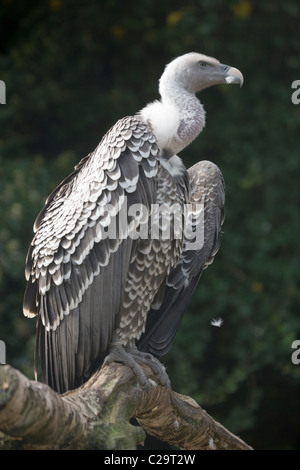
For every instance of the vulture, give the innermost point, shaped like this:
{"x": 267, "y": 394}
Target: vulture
{"x": 121, "y": 243}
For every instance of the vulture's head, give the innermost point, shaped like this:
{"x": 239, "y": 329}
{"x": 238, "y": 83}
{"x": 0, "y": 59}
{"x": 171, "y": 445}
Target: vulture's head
{"x": 195, "y": 72}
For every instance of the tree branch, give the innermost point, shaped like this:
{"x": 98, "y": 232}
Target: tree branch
{"x": 97, "y": 415}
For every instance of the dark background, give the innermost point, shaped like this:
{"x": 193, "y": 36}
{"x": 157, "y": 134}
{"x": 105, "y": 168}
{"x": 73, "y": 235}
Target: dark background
{"x": 72, "y": 69}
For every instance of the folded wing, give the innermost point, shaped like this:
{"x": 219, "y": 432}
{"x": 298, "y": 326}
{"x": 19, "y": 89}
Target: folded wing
{"x": 206, "y": 212}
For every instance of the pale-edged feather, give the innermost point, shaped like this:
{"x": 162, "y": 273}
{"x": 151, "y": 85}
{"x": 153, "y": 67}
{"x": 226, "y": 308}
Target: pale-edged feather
{"x": 85, "y": 271}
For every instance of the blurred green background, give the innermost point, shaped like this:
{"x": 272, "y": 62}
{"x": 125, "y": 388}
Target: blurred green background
{"x": 72, "y": 69}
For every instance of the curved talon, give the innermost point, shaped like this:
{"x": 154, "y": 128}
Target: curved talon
{"x": 135, "y": 359}
{"x": 117, "y": 353}
{"x": 155, "y": 365}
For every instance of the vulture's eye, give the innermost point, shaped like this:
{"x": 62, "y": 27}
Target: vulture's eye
{"x": 202, "y": 63}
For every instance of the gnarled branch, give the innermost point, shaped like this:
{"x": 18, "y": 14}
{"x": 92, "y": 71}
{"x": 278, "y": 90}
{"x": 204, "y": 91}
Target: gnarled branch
{"x": 97, "y": 415}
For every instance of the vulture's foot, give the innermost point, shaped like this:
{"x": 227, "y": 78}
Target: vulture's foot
{"x": 154, "y": 364}
{"x": 135, "y": 359}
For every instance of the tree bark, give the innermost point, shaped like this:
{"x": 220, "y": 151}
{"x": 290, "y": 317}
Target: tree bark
{"x": 98, "y": 414}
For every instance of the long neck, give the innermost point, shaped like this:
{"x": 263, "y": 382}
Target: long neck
{"x": 190, "y": 110}
{"x": 177, "y": 119}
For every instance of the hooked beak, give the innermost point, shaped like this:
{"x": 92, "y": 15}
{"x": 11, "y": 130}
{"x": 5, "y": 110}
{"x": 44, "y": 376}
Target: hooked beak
{"x": 232, "y": 75}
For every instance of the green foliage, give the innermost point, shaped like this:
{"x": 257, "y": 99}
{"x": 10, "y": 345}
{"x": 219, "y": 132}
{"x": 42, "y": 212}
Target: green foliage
{"x": 71, "y": 69}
